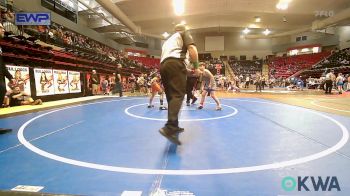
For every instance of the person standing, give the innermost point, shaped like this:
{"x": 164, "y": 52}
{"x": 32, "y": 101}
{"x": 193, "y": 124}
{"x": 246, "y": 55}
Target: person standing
{"x": 95, "y": 81}
{"x": 247, "y": 80}
{"x": 105, "y": 85}
{"x": 118, "y": 80}
{"x": 132, "y": 80}
{"x": 334, "y": 77}
{"x": 173, "y": 73}
{"x": 112, "y": 84}
{"x": 190, "y": 84}
{"x": 258, "y": 82}
{"x": 263, "y": 82}
{"x": 3, "y": 73}
{"x": 340, "y": 82}
{"x": 141, "y": 83}
{"x": 329, "y": 82}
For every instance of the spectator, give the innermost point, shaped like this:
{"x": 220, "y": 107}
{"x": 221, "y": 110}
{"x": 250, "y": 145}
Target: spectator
{"x": 95, "y": 81}
{"x": 105, "y": 86}
{"x": 141, "y": 83}
{"x": 329, "y": 82}
{"x": 18, "y": 98}
{"x": 118, "y": 80}
{"x": 247, "y": 80}
{"x": 9, "y": 5}
{"x": 340, "y": 82}
{"x": 132, "y": 80}
{"x": 258, "y": 82}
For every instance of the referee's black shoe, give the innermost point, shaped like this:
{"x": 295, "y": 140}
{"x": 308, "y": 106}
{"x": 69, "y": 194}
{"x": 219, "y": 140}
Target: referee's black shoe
{"x": 2, "y": 130}
{"x": 180, "y": 130}
{"x": 194, "y": 100}
{"x": 173, "y": 138}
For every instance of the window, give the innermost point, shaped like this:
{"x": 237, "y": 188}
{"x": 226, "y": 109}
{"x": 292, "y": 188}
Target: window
{"x": 67, "y": 9}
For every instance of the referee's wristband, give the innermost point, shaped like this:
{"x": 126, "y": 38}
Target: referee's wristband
{"x": 195, "y": 65}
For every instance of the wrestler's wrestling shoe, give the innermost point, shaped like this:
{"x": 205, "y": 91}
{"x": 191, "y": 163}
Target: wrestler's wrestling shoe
{"x": 218, "y": 108}
{"x": 163, "y": 108}
{"x": 172, "y": 138}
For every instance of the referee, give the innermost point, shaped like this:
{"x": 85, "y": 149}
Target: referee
{"x": 3, "y": 73}
{"x": 173, "y": 72}
{"x": 192, "y": 79}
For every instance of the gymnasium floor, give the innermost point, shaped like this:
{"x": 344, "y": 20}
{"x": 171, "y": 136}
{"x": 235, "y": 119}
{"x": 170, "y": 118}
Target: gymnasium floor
{"x": 111, "y": 146}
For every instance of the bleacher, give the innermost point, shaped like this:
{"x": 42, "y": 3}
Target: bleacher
{"x": 147, "y": 61}
{"x": 246, "y": 67}
{"x": 35, "y": 47}
{"x": 17, "y": 51}
{"x": 283, "y": 67}
{"x": 339, "y": 61}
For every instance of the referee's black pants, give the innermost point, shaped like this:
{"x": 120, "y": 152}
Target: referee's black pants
{"x": 258, "y": 86}
{"x": 329, "y": 85}
{"x": 191, "y": 81}
{"x": 2, "y": 90}
{"x": 173, "y": 72}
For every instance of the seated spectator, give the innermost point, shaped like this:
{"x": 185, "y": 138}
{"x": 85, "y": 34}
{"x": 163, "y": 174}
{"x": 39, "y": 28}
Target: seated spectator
{"x": 344, "y": 62}
{"x": 9, "y": 5}
{"x": 18, "y": 98}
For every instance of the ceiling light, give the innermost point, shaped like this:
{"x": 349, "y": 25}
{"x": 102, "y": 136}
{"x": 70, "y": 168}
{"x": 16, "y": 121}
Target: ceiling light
{"x": 257, "y": 19}
{"x": 283, "y": 4}
{"x": 246, "y": 31}
{"x": 165, "y": 34}
{"x": 266, "y": 32}
{"x": 179, "y": 7}
{"x": 253, "y": 26}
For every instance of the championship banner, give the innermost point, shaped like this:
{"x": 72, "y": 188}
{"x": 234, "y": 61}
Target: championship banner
{"x": 21, "y": 75}
{"x": 74, "y": 82}
{"x": 60, "y": 80}
{"x": 44, "y": 82}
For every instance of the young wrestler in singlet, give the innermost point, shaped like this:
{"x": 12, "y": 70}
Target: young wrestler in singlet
{"x": 208, "y": 87}
{"x": 156, "y": 87}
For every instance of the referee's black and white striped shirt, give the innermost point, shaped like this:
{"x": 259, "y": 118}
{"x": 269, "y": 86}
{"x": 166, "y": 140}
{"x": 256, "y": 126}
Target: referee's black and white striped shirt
{"x": 176, "y": 46}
